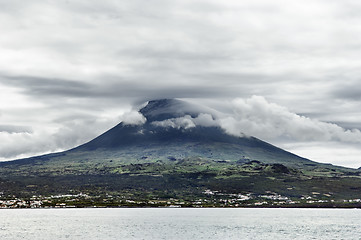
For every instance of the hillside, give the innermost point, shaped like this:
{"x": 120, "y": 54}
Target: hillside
{"x": 165, "y": 158}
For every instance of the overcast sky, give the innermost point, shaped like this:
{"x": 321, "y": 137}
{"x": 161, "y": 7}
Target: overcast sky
{"x": 287, "y": 71}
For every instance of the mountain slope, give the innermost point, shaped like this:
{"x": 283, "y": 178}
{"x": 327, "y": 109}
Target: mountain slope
{"x": 179, "y": 142}
{"x": 177, "y": 152}
{"x": 151, "y": 141}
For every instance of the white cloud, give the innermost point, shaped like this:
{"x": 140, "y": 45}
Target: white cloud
{"x": 203, "y": 119}
{"x": 15, "y": 129}
{"x": 15, "y": 145}
{"x": 45, "y": 139}
{"x": 255, "y": 116}
{"x": 297, "y": 54}
{"x": 337, "y": 153}
{"x": 181, "y": 122}
{"x": 133, "y": 118}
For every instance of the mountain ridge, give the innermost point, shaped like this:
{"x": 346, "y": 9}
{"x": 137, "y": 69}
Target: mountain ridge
{"x": 171, "y": 156}
{"x": 209, "y": 142}
{"x": 146, "y": 135}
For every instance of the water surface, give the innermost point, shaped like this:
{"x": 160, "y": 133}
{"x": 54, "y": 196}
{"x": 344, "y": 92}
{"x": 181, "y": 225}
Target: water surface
{"x": 165, "y": 223}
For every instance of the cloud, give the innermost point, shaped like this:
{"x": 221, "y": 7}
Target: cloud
{"x": 15, "y": 129}
{"x": 182, "y": 122}
{"x": 133, "y": 118}
{"x": 40, "y": 86}
{"x": 255, "y": 116}
{"x": 349, "y": 90}
{"x": 203, "y": 119}
{"x": 337, "y": 153}
{"x": 101, "y": 57}
{"x": 16, "y": 145}
{"x": 44, "y": 139}
{"x": 113, "y": 51}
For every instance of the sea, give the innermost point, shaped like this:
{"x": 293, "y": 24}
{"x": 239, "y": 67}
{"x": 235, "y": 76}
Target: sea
{"x": 180, "y": 223}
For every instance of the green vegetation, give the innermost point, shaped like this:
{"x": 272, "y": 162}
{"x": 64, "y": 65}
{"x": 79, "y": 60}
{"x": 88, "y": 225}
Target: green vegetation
{"x": 146, "y": 165}
{"x": 158, "y": 183}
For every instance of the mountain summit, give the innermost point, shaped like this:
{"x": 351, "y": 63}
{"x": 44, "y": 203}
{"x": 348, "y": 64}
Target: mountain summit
{"x": 178, "y": 152}
{"x": 158, "y": 110}
{"x": 174, "y": 129}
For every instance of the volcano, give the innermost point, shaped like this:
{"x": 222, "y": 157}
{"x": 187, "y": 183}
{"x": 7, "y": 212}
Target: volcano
{"x": 176, "y": 150}
{"x": 170, "y": 133}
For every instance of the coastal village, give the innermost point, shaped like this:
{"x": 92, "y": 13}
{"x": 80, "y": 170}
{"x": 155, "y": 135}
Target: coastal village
{"x": 210, "y": 199}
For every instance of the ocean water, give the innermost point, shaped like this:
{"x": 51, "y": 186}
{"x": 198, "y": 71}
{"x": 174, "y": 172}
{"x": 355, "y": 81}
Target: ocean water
{"x": 167, "y": 223}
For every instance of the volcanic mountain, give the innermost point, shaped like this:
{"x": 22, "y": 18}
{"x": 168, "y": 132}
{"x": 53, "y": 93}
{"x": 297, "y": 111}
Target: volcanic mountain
{"x": 170, "y": 132}
{"x": 178, "y": 149}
